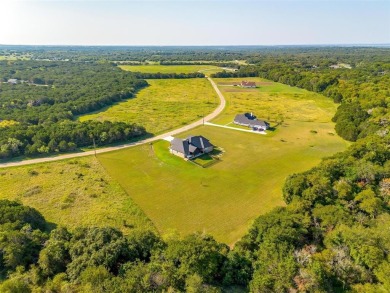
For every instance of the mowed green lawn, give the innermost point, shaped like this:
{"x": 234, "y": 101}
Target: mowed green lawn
{"x": 155, "y": 68}
{"x": 73, "y": 193}
{"x": 164, "y": 105}
{"x": 225, "y": 198}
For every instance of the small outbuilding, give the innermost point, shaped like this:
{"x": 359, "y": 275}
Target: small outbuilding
{"x": 191, "y": 147}
{"x": 250, "y": 120}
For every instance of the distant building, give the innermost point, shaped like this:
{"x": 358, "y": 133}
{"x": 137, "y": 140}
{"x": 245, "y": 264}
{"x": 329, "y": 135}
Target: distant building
{"x": 191, "y": 147}
{"x": 12, "y": 81}
{"x": 248, "y": 84}
{"x": 250, "y": 120}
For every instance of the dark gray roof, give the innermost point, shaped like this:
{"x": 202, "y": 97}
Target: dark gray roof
{"x": 243, "y": 119}
{"x": 193, "y": 144}
{"x": 199, "y": 141}
{"x": 250, "y": 116}
{"x": 180, "y": 145}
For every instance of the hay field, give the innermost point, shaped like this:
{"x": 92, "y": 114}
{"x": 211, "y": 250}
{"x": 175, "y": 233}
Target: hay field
{"x": 155, "y": 68}
{"x": 73, "y": 193}
{"x": 164, "y": 105}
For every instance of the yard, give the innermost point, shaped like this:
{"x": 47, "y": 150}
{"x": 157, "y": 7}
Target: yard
{"x": 224, "y": 198}
{"x": 205, "y": 160}
{"x": 164, "y": 105}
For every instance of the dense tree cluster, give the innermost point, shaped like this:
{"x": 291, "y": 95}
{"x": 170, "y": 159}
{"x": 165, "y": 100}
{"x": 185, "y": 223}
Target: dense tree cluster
{"x": 63, "y": 136}
{"x": 52, "y": 91}
{"x": 49, "y": 95}
{"x": 126, "y": 53}
{"x": 104, "y": 260}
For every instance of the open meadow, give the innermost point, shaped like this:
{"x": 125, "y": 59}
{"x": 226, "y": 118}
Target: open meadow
{"x": 164, "y": 105}
{"x": 273, "y": 102}
{"x": 156, "y": 68}
{"x": 73, "y": 193}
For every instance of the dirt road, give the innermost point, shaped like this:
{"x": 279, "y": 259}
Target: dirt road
{"x": 209, "y": 117}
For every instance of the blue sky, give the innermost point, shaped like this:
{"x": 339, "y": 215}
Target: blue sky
{"x": 197, "y": 22}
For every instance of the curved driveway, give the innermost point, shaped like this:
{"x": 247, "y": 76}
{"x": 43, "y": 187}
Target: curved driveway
{"x": 214, "y": 114}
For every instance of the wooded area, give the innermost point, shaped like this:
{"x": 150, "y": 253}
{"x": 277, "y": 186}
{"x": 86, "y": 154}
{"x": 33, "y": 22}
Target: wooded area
{"x": 47, "y": 97}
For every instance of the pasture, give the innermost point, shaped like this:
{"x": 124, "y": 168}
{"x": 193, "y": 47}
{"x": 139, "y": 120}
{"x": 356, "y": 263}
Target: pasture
{"x": 155, "y": 68}
{"x": 226, "y": 197}
{"x": 166, "y": 104}
{"x": 73, "y": 193}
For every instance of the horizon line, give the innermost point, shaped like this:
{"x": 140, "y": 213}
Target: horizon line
{"x": 194, "y": 45}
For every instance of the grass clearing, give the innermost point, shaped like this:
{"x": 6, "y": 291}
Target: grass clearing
{"x": 164, "y": 105}
{"x": 225, "y": 198}
{"x": 73, "y": 193}
{"x": 7, "y": 123}
{"x": 155, "y": 68}
{"x": 274, "y": 102}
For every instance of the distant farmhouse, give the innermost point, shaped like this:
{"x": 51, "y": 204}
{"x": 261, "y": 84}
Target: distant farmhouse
{"x": 250, "y": 120}
{"x": 191, "y": 147}
{"x": 12, "y": 81}
{"x": 248, "y": 84}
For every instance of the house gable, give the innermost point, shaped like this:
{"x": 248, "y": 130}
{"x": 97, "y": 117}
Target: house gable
{"x": 249, "y": 120}
{"x": 191, "y": 147}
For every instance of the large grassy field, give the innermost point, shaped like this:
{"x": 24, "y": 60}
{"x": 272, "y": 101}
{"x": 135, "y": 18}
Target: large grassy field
{"x": 274, "y": 102}
{"x": 73, "y": 193}
{"x": 225, "y": 198}
{"x": 164, "y": 105}
{"x": 171, "y": 68}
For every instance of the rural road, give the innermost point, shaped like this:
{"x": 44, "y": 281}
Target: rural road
{"x": 209, "y": 117}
